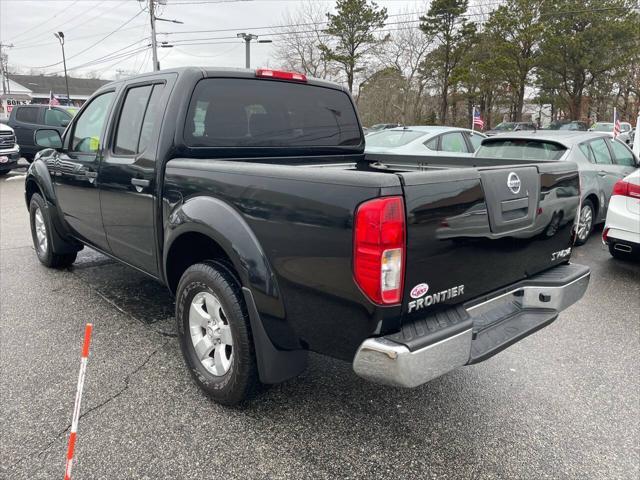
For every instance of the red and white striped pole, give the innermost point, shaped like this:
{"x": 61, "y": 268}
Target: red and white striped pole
{"x": 76, "y": 408}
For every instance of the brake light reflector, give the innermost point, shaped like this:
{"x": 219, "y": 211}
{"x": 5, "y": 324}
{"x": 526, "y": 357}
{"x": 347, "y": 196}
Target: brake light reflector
{"x": 626, "y": 189}
{"x": 379, "y": 249}
{"x": 280, "y": 74}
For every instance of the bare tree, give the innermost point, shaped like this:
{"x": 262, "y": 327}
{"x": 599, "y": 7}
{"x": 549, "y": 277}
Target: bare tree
{"x": 405, "y": 53}
{"x": 298, "y": 48}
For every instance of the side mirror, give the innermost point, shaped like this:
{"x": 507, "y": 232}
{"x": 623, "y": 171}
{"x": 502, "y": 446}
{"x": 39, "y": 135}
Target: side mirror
{"x": 47, "y": 138}
{"x": 65, "y": 122}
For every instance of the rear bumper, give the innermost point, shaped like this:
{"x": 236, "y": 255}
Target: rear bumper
{"x": 480, "y": 329}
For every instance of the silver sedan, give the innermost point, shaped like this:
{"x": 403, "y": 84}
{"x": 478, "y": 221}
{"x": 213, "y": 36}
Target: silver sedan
{"x": 425, "y": 140}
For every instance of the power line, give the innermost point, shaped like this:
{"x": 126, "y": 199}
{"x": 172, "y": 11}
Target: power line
{"x": 94, "y": 44}
{"x": 24, "y": 32}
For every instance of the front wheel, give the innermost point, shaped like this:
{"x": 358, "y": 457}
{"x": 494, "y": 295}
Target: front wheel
{"x": 585, "y": 223}
{"x": 215, "y": 337}
{"x": 41, "y": 235}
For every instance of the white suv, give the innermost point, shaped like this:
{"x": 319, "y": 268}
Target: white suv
{"x": 622, "y": 227}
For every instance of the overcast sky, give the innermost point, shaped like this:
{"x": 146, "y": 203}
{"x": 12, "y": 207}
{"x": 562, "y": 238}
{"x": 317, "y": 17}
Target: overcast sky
{"x": 29, "y": 26}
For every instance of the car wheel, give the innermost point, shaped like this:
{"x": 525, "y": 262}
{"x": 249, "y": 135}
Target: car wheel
{"x": 41, "y": 235}
{"x": 3, "y": 172}
{"x": 214, "y": 332}
{"x": 585, "y": 224}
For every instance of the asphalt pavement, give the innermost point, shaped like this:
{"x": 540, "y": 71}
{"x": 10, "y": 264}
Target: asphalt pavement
{"x": 563, "y": 403}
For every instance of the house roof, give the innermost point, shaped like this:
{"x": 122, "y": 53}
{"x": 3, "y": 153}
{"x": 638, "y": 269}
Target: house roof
{"x": 42, "y": 84}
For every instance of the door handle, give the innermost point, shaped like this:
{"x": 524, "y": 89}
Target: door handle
{"x": 602, "y": 174}
{"x": 140, "y": 182}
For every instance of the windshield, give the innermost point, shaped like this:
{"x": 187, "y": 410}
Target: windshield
{"x": 505, "y": 126}
{"x": 392, "y": 138}
{"x": 521, "y": 149}
{"x": 602, "y": 127}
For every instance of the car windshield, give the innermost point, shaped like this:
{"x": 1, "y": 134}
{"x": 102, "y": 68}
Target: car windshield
{"x": 392, "y": 138}
{"x": 602, "y": 127}
{"x": 505, "y": 126}
{"x": 521, "y": 149}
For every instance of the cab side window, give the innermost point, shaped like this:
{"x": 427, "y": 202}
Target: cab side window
{"x": 137, "y": 119}
{"x": 87, "y": 131}
{"x": 130, "y": 121}
{"x": 601, "y": 152}
{"x": 622, "y": 155}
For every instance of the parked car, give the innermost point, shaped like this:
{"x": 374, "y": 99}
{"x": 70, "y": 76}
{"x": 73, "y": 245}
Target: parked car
{"x": 9, "y": 149}
{"x": 568, "y": 125}
{"x": 625, "y": 135}
{"x": 622, "y": 227}
{"x": 424, "y": 140}
{"x": 249, "y": 195}
{"x": 511, "y": 127}
{"x": 601, "y": 160}
{"x": 26, "y": 119}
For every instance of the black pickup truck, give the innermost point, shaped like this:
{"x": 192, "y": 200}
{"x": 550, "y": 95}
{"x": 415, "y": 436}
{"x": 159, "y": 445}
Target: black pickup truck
{"x": 249, "y": 195}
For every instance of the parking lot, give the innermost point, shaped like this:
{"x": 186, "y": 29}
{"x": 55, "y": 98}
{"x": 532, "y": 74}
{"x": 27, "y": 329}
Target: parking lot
{"x": 563, "y": 403}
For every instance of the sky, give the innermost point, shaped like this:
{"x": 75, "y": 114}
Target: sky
{"x": 104, "y": 36}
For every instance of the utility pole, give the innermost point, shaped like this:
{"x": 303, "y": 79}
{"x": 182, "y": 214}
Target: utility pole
{"x": 154, "y": 46}
{"x": 247, "y": 37}
{"x": 4, "y": 62}
{"x": 60, "y": 36}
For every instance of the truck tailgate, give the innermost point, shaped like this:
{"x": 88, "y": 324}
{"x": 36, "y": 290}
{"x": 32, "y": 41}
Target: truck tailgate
{"x": 471, "y": 231}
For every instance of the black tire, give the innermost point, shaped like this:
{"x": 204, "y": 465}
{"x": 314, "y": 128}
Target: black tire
{"x": 581, "y": 238}
{"x": 4, "y": 172}
{"x": 45, "y": 253}
{"x": 241, "y": 379}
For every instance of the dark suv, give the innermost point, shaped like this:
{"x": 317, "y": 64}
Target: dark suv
{"x": 26, "y": 119}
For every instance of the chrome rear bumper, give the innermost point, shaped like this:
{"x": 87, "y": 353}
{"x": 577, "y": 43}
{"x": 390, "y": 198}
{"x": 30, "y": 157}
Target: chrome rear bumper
{"x": 497, "y": 322}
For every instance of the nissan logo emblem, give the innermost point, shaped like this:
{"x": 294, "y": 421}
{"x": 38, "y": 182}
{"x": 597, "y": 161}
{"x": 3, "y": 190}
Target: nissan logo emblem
{"x": 513, "y": 182}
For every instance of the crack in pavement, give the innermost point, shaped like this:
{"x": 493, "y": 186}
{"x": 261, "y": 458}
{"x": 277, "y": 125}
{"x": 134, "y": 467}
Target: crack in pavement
{"x": 112, "y": 397}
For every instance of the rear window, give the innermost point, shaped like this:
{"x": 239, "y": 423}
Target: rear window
{"x": 228, "y": 112}
{"x": 393, "y": 138}
{"x": 521, "y": 150}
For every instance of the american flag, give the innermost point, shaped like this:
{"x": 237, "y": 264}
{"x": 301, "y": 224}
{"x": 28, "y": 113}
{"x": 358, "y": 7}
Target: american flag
{"x": 53, "y": 101}
{"x": 477, "y": 119}
{"x": 616, "y": 123}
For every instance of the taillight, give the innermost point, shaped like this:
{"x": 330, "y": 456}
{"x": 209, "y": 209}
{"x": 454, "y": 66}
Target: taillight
{"x": 280, "y": 75}
{"x": 626, "y": 189}
{"x": 379, "y": 249}
{"x": 605, "y": 235}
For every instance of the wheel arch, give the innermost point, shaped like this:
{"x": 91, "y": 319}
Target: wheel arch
{"x": 206, "y": 228}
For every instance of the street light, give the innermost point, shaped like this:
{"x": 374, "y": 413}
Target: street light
{"x": 247, "y": 37}
{"x": 60, "y": 36}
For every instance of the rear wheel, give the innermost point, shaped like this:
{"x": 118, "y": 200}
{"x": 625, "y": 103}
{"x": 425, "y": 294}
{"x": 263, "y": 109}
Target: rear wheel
{"x": 215, "y": 337}
{"x": 585, "y": 224}
{"x": 41, "y": 235}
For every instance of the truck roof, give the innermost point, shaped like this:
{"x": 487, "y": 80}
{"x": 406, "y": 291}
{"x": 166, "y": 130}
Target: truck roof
{"x": 208, "y": 72}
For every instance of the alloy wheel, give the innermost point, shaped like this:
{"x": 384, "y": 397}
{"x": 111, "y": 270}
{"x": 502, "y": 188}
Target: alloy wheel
{"x": 210, "y": 333}
{"x": 586, "y": 222}
{"x": 41, "y": 231}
